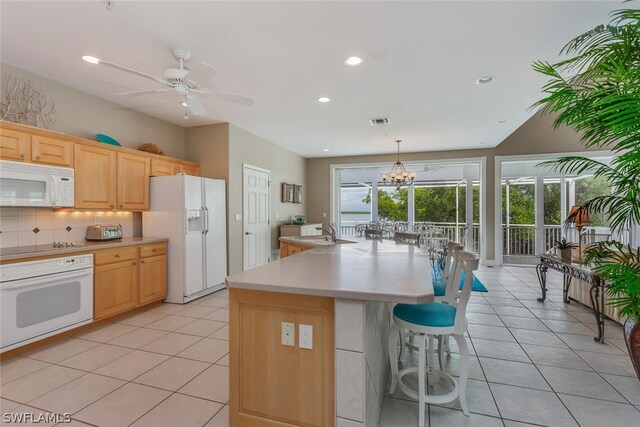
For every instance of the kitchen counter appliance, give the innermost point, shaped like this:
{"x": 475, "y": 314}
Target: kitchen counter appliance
{"x": 44, "y": 297}
{"x": 103, "y": 232}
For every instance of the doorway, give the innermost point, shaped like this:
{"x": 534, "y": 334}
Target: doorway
{"x": 256, "y": 227}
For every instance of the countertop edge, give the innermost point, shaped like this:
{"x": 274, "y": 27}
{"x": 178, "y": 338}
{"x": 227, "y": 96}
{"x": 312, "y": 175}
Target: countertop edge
{"x": 353, "y": 295}
{"x": 88, "y": 247}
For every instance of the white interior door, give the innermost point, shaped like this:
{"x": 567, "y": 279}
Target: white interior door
{"x": 256, "y": 227}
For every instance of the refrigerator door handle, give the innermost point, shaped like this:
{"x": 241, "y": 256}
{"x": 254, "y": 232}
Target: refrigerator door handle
{"x": 206, "y": 219}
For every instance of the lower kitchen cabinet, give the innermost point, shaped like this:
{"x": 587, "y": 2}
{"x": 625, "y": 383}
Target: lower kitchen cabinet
{"x": 288, "y": 249}
{"x": 128, "y": 277}
{"x": 153, "y": 279}
{"x": 115, "y": 288}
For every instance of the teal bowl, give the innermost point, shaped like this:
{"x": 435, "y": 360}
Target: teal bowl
{"x": 107, "y": 139}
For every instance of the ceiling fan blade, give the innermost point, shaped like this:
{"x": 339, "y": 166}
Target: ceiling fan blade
{"x": 143, "y": 92}
{"x": 137, "y": 73}
{"x": 201, "y": 72}
{"x": 196, "y": 106}
{"x": 225, "y": 96}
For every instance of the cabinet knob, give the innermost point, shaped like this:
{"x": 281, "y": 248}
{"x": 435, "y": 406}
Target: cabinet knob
{"x": 112, "y": 206}
{"x": 121, "y": 206}
{"x": 37, "y": 157}
{"x": 133, "y": 263}
{"x": 22, "y": 156}
{"x": 117, "y": 255}
{"x": 142, "y": 262}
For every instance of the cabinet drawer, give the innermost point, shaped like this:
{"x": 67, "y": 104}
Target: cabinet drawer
{"x": 107, "y": 256}
{"x": 153, "y": 250}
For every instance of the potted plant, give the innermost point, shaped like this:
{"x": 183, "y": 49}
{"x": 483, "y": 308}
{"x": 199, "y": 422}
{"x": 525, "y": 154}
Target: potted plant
{"x": 596, "y": 92}
{"x": 565, "y": 249}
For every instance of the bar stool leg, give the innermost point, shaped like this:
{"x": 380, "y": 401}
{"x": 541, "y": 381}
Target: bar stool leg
{"x": 441, "y": 351}
{"x": 393, "y": 355}
{"x": 464, "y": 372}
{"x": 403, "y": 341}
{"x": 430, "y": 358}
{"x": 421, "y": 377}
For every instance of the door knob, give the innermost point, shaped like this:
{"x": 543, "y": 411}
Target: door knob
{"x": 246, "y": 233}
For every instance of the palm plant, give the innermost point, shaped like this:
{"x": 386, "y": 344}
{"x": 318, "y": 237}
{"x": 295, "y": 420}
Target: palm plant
{"x": 596, "y": 92}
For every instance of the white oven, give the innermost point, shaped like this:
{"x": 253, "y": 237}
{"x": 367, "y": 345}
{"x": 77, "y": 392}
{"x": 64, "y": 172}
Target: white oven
{"x": 45, "y": 297}
{"x": 28, "y": 184}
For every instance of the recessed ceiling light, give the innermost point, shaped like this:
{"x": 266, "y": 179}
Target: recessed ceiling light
{"x": 325, "y": 149}
{"x": 323, "y": 99}
{"x": 90, "y": 59}
{"x": 353, "y": 61}
{"x": 484, "y": 80}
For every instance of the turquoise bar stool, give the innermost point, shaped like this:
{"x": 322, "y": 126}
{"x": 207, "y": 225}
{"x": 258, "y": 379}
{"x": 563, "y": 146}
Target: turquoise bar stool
{"x": 426, "y": 321}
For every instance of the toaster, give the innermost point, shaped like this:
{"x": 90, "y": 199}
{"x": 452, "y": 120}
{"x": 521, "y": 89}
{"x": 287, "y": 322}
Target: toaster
{"x": 104, "y": 232}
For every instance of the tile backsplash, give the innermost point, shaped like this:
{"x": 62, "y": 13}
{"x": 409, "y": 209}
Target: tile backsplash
{"x": 41, "y": 226}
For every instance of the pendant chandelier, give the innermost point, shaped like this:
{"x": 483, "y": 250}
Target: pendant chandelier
{"x": 398, "y": 175}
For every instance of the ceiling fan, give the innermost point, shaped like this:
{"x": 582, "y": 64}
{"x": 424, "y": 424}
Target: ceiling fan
{"x": 182, "y": 80}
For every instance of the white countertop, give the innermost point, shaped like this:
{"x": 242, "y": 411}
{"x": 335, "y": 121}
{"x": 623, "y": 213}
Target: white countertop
{"x": 365, "y": 270}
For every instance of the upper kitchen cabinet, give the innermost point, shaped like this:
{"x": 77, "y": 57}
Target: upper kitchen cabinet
{"x": 133, "y": 182}
{"x": 15, "y": 146}
{"x": 51, "y": 151}
{"x": 95, "y": 177}
{"x": 163, "y": 167}
{"x": 189, "y": 169}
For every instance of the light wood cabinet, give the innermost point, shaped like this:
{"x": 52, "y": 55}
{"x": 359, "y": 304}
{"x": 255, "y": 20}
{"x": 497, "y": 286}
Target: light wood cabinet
{"x": 15, "y": 146}
{"x": 288, "y": 249}
{"x": 189, "y": 169}
{"x": 115, "y": 288}
{"x": 51, "y": 151}
{"x": 153, "y": 279}
{"x": 163, "y": 167}
{"x": 95, "y": 177}
{"x": 133, "y": 182}
{"x": 128, "y": 277}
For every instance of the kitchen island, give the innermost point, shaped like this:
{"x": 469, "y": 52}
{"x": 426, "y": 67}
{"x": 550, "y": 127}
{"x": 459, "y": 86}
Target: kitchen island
{"x": 344, "y": 292}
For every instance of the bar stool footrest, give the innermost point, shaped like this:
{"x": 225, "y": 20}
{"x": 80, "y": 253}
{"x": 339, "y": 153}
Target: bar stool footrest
{"x": 429, "y": 398}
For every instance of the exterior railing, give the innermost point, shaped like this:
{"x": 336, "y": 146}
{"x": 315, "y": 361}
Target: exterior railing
{"x": 448, "y": 230}
{"x": 520, "y": 239}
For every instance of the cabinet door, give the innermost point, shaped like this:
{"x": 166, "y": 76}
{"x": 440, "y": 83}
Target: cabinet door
{"x": 51, "y": 151}
{"x": 189, "y": 169}
{"x": 115, "y": 288}
{"x": 133, "y": 182}
{"x": 14, "y": 145}
{"x": 153, "y": 279}
{"x": 95, "y": 177}
{"x": 294, "y": 249}
{"x": 163, "y": 167}
{"x": 284, "y": 250}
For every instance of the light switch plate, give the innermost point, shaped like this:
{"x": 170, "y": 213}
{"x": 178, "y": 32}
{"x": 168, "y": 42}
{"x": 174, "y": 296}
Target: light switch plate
{"x": 306, "y": 337}
{"x": 238, "y": 217}
{"x": 277, "y": 215}
{"x": 288, "y": 334}
{"x": 324, "y": 214}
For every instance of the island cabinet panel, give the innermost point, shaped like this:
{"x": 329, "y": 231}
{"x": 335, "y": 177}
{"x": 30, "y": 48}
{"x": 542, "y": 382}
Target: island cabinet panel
{"x": 276, "y": 385}
{"x": 133, "y": 182}
{"x": 288, "y": 249}
{"x": 115, "y": 288}
{"x": 51, "y": 151}
{"x": 15, "y": 146}
{"x": 95, "y": 177}
{"x": 153, "y": 279}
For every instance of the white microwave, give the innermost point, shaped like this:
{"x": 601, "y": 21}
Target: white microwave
{"x": 28, "y": 184}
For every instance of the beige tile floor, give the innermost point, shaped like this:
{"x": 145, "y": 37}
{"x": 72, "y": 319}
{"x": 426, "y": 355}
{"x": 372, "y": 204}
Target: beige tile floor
{"x": 532, "y": 364}
{"x": 167, "y": 366}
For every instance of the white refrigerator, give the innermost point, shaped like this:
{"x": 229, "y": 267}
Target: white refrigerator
{"x": 190, "y": 212}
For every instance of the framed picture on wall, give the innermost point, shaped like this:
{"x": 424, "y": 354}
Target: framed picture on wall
{"x": 297, "y": 194}
{"x": 287, "y": 193}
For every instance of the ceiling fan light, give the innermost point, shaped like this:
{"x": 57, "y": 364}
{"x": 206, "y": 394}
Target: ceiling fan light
{"x": 184, "y": 104}
{"x": 90, "y": 59}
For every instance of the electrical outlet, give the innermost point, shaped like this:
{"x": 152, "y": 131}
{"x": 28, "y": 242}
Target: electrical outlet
{"x": 306, "y": 337}
{"x": 288, "y": 334}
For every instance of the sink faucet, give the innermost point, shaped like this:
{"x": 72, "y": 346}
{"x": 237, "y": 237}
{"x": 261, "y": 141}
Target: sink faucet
{"x": 331, "y": 231}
